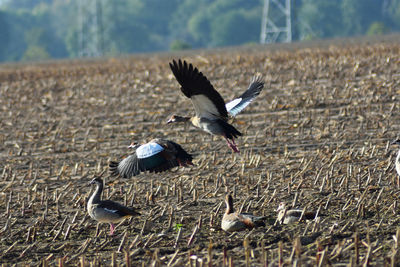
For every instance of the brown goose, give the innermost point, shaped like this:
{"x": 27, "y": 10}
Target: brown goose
{"x": 107, "y": 211}
{"x": 158, "y": 155}
{"x": 233, "y": 221}
{"x": 288, "y": 216}
{"x": 211, "y": 111}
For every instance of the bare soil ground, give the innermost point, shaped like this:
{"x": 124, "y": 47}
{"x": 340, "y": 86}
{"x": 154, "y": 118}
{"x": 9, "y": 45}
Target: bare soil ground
{"x": 318, "y": 137}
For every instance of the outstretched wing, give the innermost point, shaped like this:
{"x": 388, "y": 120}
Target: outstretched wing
{"x": 126, "y": 168}
{"x": 174, "y": 151}
{"x": 206, "y": 100}
{"x": 153, "y": 157}
{"x": 237, "y": 105}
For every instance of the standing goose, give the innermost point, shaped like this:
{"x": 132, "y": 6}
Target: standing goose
{"x": 158, "y": 155}
{"x": 107, "y": 211}
{"x": 211, "y": 111}
{"x": 233, "y": 221}
{"x": 397, "y": 162}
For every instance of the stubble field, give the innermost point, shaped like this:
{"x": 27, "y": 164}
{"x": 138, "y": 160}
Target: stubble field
{"x": 318, "y": 137}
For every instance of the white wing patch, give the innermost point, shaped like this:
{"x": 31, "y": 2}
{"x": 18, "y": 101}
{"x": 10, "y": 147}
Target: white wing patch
{"x": 204, "y": 107}
{"x": 148, "y": 150}
{"x": 232, "y": 104}
{"x": 113, "y": 211}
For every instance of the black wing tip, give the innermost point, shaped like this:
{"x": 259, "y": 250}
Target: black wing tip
{"x": 115, "y": 172}
{"x": 177, "y": 63}
{"x": 252, "y": 91}
{"x": 182, "y": 65}
{"x": 255, "y": 87}
{"x": 113, "y": 168}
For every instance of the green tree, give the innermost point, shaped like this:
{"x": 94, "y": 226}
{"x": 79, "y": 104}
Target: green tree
{"x": 179, "y": 45}
{"x": 178, "y": 26}
{"x": 377, "y": 28}
{"x": 17, "y": 22}
{"x": 394, "y": 13}
{"x": 122, "y": 32}
{"x": 24, "y": 4}
{"x": 359, "y": 14}
{"x": 321, "y": 18}
{"x": 199, "y": 28}
{"x": 234, "y": 28}
{"x": 207, "y": 25}
{"x": 35, "y": 53}
{"x": 4, "y": 35}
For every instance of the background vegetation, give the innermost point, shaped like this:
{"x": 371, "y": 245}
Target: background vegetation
{"x": 42, "y": 29}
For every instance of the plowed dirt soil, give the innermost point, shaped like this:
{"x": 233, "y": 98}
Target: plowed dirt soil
{"x": 318, "y": 137}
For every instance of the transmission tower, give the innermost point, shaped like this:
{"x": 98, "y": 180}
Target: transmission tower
{"x": 276, "y": 24}
{"x": 90, "y": 28}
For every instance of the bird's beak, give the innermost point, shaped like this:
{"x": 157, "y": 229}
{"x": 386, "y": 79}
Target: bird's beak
{"x": 169, "y": 121}
{"x": 133, "y": 145}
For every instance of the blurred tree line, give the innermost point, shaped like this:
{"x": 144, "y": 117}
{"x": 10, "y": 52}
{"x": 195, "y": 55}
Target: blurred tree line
{"x": 42, "y": 29}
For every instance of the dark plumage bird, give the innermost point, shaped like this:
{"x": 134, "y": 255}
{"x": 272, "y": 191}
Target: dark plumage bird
{"x": 233, "y": 221}
{"x": 211, "y": 112}
{"x": 107, "y": 211}
{"x": 158, "y": 155}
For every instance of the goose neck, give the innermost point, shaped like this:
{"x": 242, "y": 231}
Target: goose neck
{"x": 95, "y": 198}
{"x": 229, "y": 206}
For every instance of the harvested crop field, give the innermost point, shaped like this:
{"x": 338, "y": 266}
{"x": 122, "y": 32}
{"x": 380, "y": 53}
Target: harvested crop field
{"x": 318, "y": 137}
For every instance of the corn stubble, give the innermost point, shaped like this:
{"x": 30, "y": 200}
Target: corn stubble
{"x": 316, "y": 138}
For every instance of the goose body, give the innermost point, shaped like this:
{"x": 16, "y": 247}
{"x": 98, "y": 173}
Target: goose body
{"x": 107, "y": 211}
{"x": 233, "y": 221}
{"x": 288, "y": 216}
{"x": 158, "y": 155}
{"x": 211, "y": 111}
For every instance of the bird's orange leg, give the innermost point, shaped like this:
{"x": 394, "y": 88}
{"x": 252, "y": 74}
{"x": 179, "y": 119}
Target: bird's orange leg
{"x": 232, "y": 145}
{"x": 112, "y": 229}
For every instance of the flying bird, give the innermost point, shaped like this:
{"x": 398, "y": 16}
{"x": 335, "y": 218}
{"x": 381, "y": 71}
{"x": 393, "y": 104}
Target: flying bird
{"x": 233, "y": 221}
{"x": 158, "y": 155}
{"x": 212, "y": 113}
{"x": 107, "y": 211}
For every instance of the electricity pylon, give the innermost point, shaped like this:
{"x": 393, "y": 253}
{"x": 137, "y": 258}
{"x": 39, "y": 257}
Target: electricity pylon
{"x": 90, "y": 35}
{"x": 276, "y": 27}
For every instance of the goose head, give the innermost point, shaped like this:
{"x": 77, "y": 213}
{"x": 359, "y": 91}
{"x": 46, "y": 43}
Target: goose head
{"x": 177, "y": 118}
{"x": 134, "y": 145}
{"x": 96, "y": 181}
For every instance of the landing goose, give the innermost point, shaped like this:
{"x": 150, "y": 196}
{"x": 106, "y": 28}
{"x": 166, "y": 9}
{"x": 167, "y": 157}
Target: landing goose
{"x": 158, "y": 155}
{"x": 107, "y": 211}
{"x": 211, "y": 111}
{"x": 233, "y": 221}
{"x": 288, "y": 216}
